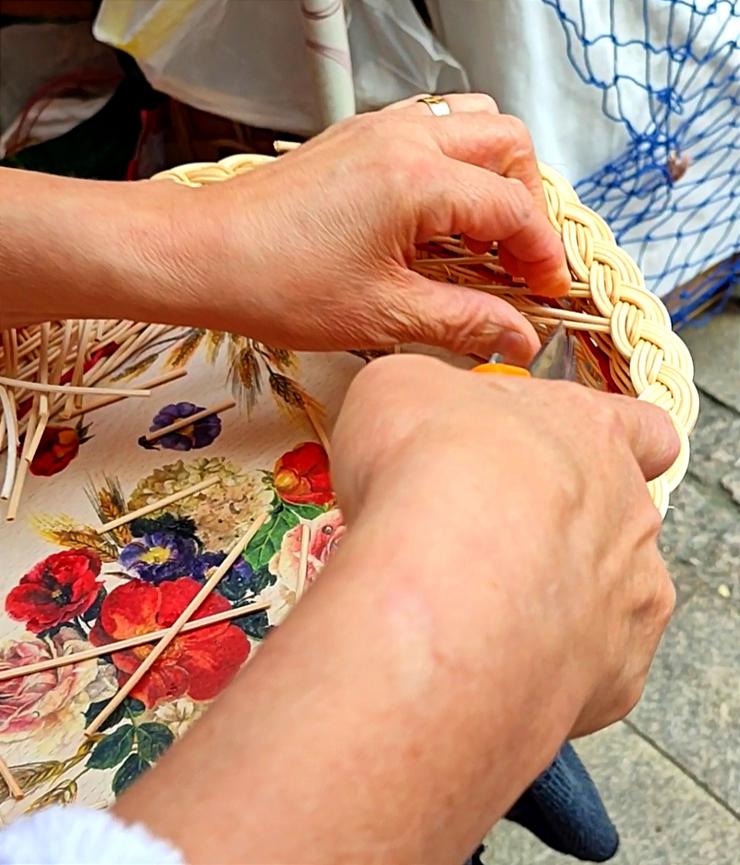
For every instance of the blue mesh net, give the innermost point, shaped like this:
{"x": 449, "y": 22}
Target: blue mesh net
{"x": 668, "y": 74}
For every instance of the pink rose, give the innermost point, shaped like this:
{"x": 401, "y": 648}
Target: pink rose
{"x": 41, "y": 701}
{"x": 327, "y": 532}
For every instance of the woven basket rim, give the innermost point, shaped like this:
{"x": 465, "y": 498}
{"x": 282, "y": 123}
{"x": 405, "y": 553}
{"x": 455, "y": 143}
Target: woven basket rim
{"x": 608, "y": 301}
{"x": 645, "y": 350}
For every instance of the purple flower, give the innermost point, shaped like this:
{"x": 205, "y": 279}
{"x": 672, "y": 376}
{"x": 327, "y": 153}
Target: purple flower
{"x": 160, "y": 556}
{"x": 239, "y": 581}
{"x": 199, "y": 434}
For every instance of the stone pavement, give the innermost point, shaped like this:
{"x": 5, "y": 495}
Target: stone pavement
{"x": 670, "y": 774}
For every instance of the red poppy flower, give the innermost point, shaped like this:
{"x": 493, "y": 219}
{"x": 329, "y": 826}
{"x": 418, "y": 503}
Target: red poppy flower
{"x": 56, "y": 590}
{"x": 58, "y": 447}
{"x": 301, "y": 476}
{"x": 198, "y": 664}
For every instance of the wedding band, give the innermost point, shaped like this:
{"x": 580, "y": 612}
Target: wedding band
{"x": 438, "y": 105}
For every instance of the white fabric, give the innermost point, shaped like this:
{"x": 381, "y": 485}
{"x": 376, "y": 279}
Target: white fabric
{"x": 248, "y": 61}
{"x": 62, "y": 835}
{"x": 517, "y": 51}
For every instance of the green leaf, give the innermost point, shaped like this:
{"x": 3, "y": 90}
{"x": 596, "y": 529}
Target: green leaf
{"x": 261, "y": 580}
{"x": 154, "y": 740}
{"x": 110, "y": 751}
{"x": 255, "y": 625}
{"x": 134, "y": 766}
{"x": 134, "y": 707}
{"x": 305, "y": 512}
{"x": 96, "y": 708}
{"x": 94, "y": 611}
{"x": 267, "y": 541}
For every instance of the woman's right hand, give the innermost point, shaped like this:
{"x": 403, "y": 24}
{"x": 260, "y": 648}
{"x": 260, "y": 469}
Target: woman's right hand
{"x": 531, "y": 498}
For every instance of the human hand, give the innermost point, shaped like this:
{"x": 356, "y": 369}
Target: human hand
{"x": 498, "y": 589}
{"x": 560, "y": 521}
{"x": 314, "y": 251}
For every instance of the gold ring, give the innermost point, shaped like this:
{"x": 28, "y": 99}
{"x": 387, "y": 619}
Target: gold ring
{"x": 438, "y": 105}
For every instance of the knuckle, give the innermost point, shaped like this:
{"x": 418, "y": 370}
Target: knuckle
{"x": 668, "y": 605}
{"x": 485, "y": 102}
{"x": 665, "y": 601}
{"x": 363, "y": 122}
{"x": 517, "y": 132}
{"x": 652, "y": 521}
{"x": 369, "y": 383}
{"x": 516, "y": 208}
{"x": 389, "y": 374}
{"x": 518, "y": 141}
{"x": 630, "y": 696}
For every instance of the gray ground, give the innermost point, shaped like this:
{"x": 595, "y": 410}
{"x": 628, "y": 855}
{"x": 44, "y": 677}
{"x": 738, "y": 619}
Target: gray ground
{"x": 670, "y": 774}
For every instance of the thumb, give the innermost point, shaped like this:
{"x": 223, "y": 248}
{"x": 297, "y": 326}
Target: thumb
{"x": 462, "y": 320}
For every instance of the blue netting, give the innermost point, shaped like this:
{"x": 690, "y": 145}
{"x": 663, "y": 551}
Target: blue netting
{"x": 668, "y": 74}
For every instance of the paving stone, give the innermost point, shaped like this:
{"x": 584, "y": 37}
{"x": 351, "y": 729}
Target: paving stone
{"x": 701, "y": 538}
{"x": 730, "y": 481}
{"x": 716, "y": 351}
{"x": 662, "y": 816}
{"x": 715, "y": 442}
{"x": 691, "y": 706}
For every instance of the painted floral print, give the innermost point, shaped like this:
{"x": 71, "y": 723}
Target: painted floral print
{"x": 220, "y": 511}
{"x": 160, "y": 555}
{"x": 199, "y": 434}
{"x": 197, "y": 664}
{"x": 58, "y": 447}
{"x": 58, "y": 589}
{"x": 42, "y": 702}
{"x": 327, "y": 532}
{"x": 98, "y": 589}
{"x": 301, "y": 477}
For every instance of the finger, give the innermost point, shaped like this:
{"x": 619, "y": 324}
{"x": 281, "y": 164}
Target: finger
{"x": 457, "y": 102}
{"x": 529, "y": 271}
{"x": 498, "y": 142}
{"x": 477, "y": 247}
{"x": 650, "y": 433}
{"x": 509, "y": 263}
{"x": 462, "y": 320}
{"x": 465, "y": 199}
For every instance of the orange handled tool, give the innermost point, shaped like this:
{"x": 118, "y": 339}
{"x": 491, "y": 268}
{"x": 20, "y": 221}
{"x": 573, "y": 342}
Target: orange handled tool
{"x": 555, "y": 360}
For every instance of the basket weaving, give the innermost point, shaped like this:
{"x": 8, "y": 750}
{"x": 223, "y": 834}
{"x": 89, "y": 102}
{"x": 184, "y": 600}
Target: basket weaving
{"x": 222, "y": 509}
{"x": 625, "y": 340}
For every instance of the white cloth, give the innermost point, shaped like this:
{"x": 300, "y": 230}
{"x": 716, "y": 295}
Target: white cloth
{"x": 629, "y": 83}
{"x": 248, "y": 61}
{"x": 62, "y": 835}
{"x": 640, "y": 86}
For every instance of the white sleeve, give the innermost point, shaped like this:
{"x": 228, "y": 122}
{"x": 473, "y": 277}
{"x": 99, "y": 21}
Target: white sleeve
{"x": 61, "y": 835}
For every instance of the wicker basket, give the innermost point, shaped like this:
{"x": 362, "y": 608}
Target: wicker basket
{"x": 624, "y": 338}
{"x": 625, "y": 341}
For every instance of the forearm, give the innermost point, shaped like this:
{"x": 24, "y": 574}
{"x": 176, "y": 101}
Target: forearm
{"x": 74, "y": 248}
{"x": 394, "y": 717}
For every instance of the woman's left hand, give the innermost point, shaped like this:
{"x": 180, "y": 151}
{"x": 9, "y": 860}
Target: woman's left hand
{"x": 315, "y": 251}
